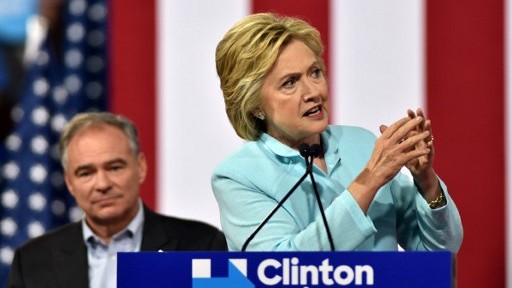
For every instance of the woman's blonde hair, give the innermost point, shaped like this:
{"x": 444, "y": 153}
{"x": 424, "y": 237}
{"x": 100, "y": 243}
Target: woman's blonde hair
{"x": 245, "y": 56}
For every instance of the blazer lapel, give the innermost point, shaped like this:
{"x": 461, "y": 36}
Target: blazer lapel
{"x": 154, "y": 237}
{"x": 71, "y": 260}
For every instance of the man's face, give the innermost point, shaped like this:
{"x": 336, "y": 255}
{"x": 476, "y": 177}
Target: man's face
{"x": 103, "y": 175}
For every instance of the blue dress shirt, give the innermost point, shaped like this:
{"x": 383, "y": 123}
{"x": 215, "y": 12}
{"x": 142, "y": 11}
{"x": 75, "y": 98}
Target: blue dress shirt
{"x": 102, "y": 257}
{"x": 250, "y": 183}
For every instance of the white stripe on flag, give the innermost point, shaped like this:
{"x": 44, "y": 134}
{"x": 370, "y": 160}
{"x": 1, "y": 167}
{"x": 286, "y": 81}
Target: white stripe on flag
{"x": 377, "y": 61}
{"x": 194, "y": 134}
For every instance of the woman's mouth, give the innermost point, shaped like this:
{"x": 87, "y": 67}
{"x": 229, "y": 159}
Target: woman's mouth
{"x": 315, "y": 111}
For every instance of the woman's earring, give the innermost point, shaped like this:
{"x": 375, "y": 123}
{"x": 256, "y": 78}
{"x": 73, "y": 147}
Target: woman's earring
{"x": 260, "y": 115}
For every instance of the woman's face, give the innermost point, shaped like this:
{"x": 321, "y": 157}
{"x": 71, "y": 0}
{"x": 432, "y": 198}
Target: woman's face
{"x": 294, "y": 96}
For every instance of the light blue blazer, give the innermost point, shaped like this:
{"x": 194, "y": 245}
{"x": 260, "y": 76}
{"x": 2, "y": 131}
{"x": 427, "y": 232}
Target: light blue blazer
{"x": 250, "y": 183}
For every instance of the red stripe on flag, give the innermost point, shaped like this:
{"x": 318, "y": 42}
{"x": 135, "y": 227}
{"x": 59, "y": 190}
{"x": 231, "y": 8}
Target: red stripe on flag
{"x": 315, "y": 12}
{"x": 466, "y": 100}
{"x": 132, "y": 76}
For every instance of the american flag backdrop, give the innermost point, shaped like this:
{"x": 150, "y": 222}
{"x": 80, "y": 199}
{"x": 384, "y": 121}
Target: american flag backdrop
{"x": 448, "y": 57}
{"x": 62, "y": 81}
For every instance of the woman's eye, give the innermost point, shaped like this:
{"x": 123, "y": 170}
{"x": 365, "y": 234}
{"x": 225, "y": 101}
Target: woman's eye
{"x": 289, "y": 83}
{"x": 317, "y": 72}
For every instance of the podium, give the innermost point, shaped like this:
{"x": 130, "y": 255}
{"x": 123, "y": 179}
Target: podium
{"x": 284, "y": 269}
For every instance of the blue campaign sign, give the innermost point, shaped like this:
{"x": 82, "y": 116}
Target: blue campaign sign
{"x": 284, "y": 269}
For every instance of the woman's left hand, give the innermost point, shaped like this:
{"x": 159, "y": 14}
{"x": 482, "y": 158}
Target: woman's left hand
{"x": 422, "y": 167}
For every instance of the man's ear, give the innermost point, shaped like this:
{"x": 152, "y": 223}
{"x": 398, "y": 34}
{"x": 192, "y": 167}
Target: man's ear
{"x": 143, "y": 167}
{"x": 68, "y": 184}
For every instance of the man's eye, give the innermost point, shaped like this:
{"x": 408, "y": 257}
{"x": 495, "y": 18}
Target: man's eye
{"x": 116, "y": 168}
{"x": 84, "y": 174}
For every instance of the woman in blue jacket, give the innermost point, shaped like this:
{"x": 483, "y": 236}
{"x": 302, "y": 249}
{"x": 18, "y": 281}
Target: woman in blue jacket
{"x": 275, "y": 89}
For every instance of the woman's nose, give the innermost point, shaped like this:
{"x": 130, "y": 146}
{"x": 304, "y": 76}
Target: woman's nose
{"x": 311, "y": 91}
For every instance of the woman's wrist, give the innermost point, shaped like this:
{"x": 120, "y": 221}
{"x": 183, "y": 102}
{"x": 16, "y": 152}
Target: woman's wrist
{"x": 438, "y": 202}
{"x": 428, "y": 186}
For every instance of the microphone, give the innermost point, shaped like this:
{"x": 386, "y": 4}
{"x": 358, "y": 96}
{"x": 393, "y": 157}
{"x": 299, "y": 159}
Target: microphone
{"x": 309, "y": 153}
{"x": 305, "y": 151}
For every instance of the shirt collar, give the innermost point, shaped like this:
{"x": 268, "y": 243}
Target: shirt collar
{"x": 277, "y": 147}
{"x": 133, "y": 228}
{"x": 329, "y": 140}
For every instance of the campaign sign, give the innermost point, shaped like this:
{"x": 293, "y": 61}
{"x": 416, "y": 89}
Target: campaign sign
{"x": 284, "y": 269}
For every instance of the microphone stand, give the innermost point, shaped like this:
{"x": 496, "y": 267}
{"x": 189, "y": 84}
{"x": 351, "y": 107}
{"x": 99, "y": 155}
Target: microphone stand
{"x": 309, "y": 153}
{"x": 274, "y": 210}
{"x": 315, "y": 152}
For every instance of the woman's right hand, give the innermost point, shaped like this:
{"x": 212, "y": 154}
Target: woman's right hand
{"x": 393, "y": 150}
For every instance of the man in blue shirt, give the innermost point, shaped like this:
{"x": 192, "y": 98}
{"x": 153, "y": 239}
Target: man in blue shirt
{"x": 104, "y": 169}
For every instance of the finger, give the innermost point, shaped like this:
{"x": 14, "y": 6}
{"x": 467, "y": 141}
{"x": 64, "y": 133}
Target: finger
{"x": 414, "y": 141}
{"x": 419, "y": 112}
{"x": 399, "y": 130}
{"x": 390, "y": 130}
{"x": 428, "y": 127}
{"x": 383, "y": 128}
{"x": 414, "y": 157}
{"x": 410, "y": 113}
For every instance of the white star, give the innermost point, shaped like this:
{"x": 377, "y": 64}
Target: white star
{"x": 11, "y": 170}
{"x": 58, "y": 207}
{"x": 13, "y": 142}
{"x": 35, "y": 229}
{"x": 42, "y": 58}
{"x": 73, "y": 58}
{"x": 39, "y": 145}
{"x": 38, "y": 173}
{"x": 55, "y": 152}
{"x": 97, "y": 12}
{"x": 75, "y": 214}
{"x": 57, "y": 179}
{"x": 95, "y": 64}
{"x": 40, "y": 87}
{"x": 60, "y": 95}
{"x": 96, "y": 38}
{"x": 73, "y": 83}
{"x": 9, "y": 199}
{"x": 75, "y": 32}
{"x": 58, "y": 122}
{"x": 40, "y": 116}
{"x": 6, "y": 255}
{"x": 37, "y": 202}
{"x": 17, "y": 113}
{"x": 77, "y": 7}
{"x": 8, "y": 227}
{"x": 94, "y": 90}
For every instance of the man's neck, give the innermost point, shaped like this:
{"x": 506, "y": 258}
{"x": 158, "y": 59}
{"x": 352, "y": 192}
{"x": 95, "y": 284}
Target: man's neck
{"x": 107, "y": 229}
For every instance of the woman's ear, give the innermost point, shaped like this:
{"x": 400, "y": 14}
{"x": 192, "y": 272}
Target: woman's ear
{"x": 259, "y": 114}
